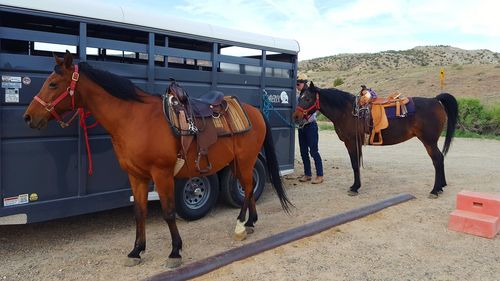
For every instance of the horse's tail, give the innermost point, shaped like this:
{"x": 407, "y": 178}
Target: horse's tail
{"x": 451, "y": 106}
{"x": 273, "y": 170}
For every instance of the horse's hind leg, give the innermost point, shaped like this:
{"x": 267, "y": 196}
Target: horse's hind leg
{"x": 140, "y": 192}
{"x": 245, "y": 176}
{"x": 165, "y": 187}
{"x": 438, "y": 162}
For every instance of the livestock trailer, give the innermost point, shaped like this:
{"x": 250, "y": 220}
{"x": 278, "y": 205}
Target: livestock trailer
{"x": 43, "y": 174}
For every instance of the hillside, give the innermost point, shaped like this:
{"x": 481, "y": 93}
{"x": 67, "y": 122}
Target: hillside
{"x": 414, "y": 72}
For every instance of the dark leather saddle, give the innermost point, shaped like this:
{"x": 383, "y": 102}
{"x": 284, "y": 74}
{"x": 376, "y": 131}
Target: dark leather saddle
{"x": 194, "y": 116}
{"x": 209, "y": 104}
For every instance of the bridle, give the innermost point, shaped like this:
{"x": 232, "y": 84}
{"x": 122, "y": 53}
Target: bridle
{"x": 50, "y": 106}
{"x": 306, "y": 111}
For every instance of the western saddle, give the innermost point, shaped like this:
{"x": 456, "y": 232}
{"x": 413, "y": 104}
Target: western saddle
{"x": 202, "y": 119}
{"x": 369, "y": 99}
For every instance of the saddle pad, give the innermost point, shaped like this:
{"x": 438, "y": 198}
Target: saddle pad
{"x": 391, "y": 111}
{"x": 234, "y": 121}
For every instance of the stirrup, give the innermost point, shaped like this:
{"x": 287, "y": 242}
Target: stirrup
{"x": 207, "y": 169}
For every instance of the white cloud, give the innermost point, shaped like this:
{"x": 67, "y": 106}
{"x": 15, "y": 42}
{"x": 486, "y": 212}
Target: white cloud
{"x": 325, "y": 27}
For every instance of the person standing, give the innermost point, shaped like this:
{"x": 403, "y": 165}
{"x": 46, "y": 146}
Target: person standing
{"x": 308, "y": 140}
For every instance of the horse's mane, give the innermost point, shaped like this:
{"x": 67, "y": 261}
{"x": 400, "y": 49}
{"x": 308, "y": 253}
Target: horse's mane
{"x": 115, "y": 85}
{"x": 336, "y": 97}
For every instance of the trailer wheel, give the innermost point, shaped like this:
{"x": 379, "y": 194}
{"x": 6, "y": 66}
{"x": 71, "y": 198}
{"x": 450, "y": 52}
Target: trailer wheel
{"x": 231, "y": 189}
{"x": 195, "y": 197}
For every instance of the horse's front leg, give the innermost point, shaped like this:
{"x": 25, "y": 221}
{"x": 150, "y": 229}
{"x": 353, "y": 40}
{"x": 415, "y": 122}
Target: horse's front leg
{"x": 355, "y": 154}
{"x": 243, "y": 226}
{"x": 140, "y": 192}
{"x": 165, "y": 187}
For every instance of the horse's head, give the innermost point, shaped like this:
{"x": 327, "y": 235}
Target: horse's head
{"x": 307, "y": 104}
{"x": 52, "y": 99}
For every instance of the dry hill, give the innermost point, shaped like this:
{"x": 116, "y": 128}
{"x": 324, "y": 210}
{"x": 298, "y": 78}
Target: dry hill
{"x": 414, "y": 72}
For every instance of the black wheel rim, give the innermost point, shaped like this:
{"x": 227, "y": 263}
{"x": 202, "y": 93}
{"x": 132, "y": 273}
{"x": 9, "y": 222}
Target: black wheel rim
{"x": 196, "y": 192}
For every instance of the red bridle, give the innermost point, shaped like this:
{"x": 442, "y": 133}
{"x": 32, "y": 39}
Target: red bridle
{"x": 49, "y": 106}
{"x": 305, "y": 112}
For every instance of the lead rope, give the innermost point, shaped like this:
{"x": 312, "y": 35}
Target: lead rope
{"x": 84, "y": 115}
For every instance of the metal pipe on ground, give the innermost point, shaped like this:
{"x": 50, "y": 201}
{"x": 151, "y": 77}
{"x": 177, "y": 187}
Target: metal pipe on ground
{"x": 214, "y": 262}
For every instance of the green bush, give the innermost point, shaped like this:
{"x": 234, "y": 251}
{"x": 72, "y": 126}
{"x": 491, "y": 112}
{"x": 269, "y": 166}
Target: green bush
{"x": 473, "y": 117}
{"x": 338, "y": 82}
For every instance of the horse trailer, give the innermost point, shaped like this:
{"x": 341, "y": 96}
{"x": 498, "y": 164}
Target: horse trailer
{"x": 44, "y": 174}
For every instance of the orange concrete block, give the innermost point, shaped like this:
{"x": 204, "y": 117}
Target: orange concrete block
{"x": 474, "y": 223}
{"x": 477, "y": 202}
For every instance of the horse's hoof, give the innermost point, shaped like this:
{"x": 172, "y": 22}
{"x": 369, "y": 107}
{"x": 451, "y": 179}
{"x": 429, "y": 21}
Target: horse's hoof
{"x": 129, "y": 262}
{"x": 249, "y": 229}
{"x": 240, "y": 236}
{"x": 432, "y": 196}
{"x": 174, "y": 262}
{"x": 240, "y": 232}
{"x": 352, "y": 193}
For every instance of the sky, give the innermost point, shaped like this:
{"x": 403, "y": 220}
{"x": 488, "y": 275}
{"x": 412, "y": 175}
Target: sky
{"x": 325, "y": 28}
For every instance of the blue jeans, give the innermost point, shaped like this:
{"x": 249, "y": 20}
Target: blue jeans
{"x": 308, "y": 142}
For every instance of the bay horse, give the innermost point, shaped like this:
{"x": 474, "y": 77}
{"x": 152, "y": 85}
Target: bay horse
{"x": 426, "y": 124}
{"x": 145, "y": 144}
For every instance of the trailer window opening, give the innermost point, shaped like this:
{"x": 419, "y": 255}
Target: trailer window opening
{"x": 50, "y": 47}
{"x": 38, "y": 23}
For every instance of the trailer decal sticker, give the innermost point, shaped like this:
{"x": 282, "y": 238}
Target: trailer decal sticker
{"x": 33, "y": 197}
{"x": 26, "y": 80}
{"x": 6, "y": 85}
{"x": 12, "y": 95}
{"x": 284, "y": 97}
{"x": 16, "y": 200}
{"x": 12, "y": 79}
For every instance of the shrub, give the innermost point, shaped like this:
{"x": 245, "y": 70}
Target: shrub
{"x": 338, "y": 82}
{"x": 474, "y": 117}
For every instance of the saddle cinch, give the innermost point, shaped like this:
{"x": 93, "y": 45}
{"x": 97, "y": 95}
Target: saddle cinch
{"x": 203, "y": 119}
{"x": 378, "y": 113}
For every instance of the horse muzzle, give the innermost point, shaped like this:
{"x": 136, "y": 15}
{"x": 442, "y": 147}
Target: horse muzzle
{"x": 35, "y": 123}
{"x": 298, "y": 118}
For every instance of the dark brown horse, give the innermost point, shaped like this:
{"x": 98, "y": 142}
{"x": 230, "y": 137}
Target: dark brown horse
{"x": 146, "y": 146}
{"x": 426, "y": 124}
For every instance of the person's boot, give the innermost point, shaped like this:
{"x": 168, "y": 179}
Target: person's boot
{"x": 305, "y": 178}
{"x": 317, "y": 180}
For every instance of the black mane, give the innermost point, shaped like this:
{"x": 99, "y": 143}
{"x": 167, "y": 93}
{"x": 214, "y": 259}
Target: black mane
{"x": 115, "y": 85}
{"x": 337, "y": 98}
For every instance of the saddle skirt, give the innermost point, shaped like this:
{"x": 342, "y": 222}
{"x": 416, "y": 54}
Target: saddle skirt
{"x": 383, "y": 109}
{"x": 233, "y": 121}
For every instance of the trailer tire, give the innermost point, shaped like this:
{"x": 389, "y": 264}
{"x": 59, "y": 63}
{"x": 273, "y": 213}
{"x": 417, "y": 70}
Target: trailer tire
{"x": 232, "y": 191}
{"x": 196, "y": 196}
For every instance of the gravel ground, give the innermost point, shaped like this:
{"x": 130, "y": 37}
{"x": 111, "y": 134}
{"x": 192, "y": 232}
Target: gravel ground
{"x": 409, "y": 241}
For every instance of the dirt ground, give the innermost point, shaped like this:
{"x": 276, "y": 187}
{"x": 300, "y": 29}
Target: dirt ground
{"x": 409, "y": 241}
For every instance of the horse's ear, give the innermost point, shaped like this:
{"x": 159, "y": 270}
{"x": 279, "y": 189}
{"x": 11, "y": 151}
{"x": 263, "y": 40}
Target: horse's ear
{"x": 311, "y": 85}
{"x": 68, "y": 60}
{"x": 59, "y": 61}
